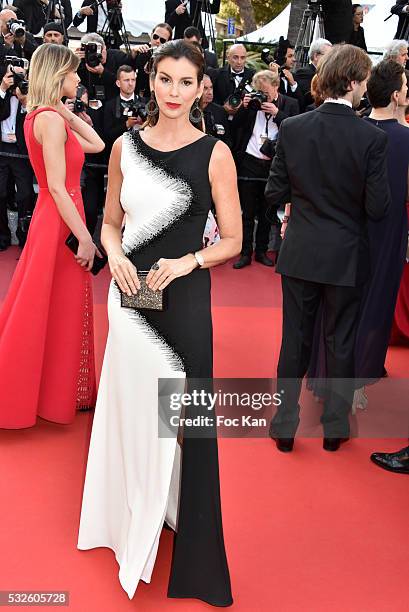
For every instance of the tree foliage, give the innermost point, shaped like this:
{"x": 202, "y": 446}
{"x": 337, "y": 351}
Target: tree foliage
{"x": 264, "y": 10}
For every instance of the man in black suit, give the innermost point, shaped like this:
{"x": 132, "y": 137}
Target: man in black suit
{"x": 96, "y": 16}
{"x": 251, "y": 128}
{"x": 335, "y": 181}
{"x": 142, "y": 56}
{"x": 12, "y": 117}
{"x": 215, "y": 117}
{"x": 227, "y": 79}
{"x": 118, "y": 117}
{"x": 304, "y": 75}
{"x": 401, "y": 8}
{"x": 100, "y": 80}
{"x": 337, "y": 20}
{"x": 34, "y": 13}
{"x": 192, "y": 34}
{"x": 285, "y": 61}
{"x": 180, "y": 14}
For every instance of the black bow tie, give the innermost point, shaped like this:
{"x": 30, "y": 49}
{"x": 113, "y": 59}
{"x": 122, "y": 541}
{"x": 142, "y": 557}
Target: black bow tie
{"x": 238, "y": 73}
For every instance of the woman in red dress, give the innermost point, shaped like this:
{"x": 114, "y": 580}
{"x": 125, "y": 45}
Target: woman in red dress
{"x": 46, "y": 333}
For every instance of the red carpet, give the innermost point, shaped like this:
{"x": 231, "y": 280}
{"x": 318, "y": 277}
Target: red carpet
{"x": 305, "y": 532}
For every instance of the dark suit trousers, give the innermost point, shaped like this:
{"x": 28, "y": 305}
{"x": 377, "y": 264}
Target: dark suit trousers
{"x": 22, "y": 173}
{"x": 93, "y": 194}
{"x": 253, "y": 203}
{"x": 340, "y": 305}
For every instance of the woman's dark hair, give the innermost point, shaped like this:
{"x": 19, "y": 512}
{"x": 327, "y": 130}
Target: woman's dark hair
{"x": 338, "y": 68}
{"x": 386, "y": 77}
{"x": 355, "y": 7}
{"x": 176, "y": 49}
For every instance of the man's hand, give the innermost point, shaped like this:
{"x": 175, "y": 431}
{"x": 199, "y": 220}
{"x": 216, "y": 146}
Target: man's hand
{"x": 21, "y": 98}
{"x": 181, "y": 9}
{"x": 7, "y": 81}
{"x": 288, "y": 75}
{"x": 131, "y": 122}
{"x": 274, "y": 67}
{"x": 230, "y": 110}
{"x": 9, "y": 40}
{"x": 97, "y": 70}
{"x": 80, "y": 53}
{"x": 87, "y": 11}
{"x": 246, "y": 100}
{"x": 140, "y": 49}
{"x": 69, "y": 103}
{"x": 270, "y": 108}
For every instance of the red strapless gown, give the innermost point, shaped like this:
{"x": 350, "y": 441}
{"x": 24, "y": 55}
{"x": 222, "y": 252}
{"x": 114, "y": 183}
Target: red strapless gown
{"x": 400, "y": 328}
{"x": 46, "y": 323}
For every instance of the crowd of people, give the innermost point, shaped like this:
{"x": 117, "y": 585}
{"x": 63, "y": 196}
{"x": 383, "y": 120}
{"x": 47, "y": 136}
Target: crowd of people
{"x": 187, "y": 141}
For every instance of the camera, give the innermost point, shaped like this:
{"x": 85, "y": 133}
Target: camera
{"x": 234, "y": 100}
{"x": 212, "y": 128}
{"x": 266, "y": 56}
{"x": 136, "y": 109}
{"x": 17, "y": 27}
{"x": 93, "y": 53}
{"x": 257, "y": 99}
{"x": 19, "y": 80}
{"x": 79, "y": 105}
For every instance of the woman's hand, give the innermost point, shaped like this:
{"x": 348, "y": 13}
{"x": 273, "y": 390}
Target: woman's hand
{"x": 169, "y": 269}
{"x": 86, "y": 253}
{"x": 124, "y": 272}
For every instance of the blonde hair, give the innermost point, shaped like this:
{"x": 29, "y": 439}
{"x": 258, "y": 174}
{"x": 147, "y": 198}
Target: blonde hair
{"x": 267, "y": 76}
{"x": 49, "y": 66}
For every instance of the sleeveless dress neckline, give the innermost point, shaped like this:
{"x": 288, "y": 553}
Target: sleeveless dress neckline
{"x": 171, "y": 151}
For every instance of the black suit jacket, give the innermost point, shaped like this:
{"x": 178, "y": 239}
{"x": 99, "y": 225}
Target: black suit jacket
{"x": 244, "y": 120}
{"x": 304, "y": 76}
{"x": 331, "y": 166}
{"x": 224, "y": 83}
{"x": 296, "y": 95}
{"x": 337, "y": 20}
{"x": 397, "y": 9}
{"x": 20, "y": 118}
{"x": 35, "y": 14}
{"x": 92, "y": 20}
{"x": 216, "y": 115}
{"x": 115, "y": 59}
{"x": 180, "y": 22}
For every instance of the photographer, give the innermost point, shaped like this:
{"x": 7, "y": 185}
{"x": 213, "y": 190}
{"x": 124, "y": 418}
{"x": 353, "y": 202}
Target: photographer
{"x": 125, "y": 111}
{"x": 96, "y": 14}
{"x": 180, "y": 14}
{"x": 255, "y": 129}
{"x": 54, "y": 34}
{"x": 215, "y": 117}
{"x": 35, "y": 13}
{"x": 142, "y": 55}
{"x": 228, "y": 79}
{"x": 92, "y": 179}
{"x": 99, "y": 67}
{"x": 401, "y": 8}
{"x": 285, "y": 62}
{"x": 15, "y": 40}
{"x": 13, "y": 96}
{"x": 192, "y": 34}
{"x": 304, "y": 75}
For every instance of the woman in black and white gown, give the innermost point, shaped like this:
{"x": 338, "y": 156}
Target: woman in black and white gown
{"x": 165, "y": 179}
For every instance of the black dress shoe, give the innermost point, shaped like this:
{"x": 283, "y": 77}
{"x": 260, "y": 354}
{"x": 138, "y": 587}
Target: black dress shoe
{"x": 393, "y": 462}
{"x": 285, "y": 445}
{"x": 263, "y": 259}
{"x": 245, "y": 260}
{"x": 333, "y": 444}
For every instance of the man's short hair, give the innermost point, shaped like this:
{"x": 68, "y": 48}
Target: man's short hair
{"x": 192, "y": 32}
{"x": 317, "y": 45}
{"x": 165, "y": 26}
{"x": 92, "y": 37}
{"x": 386, "y": 77}
{"x": 265, "y": 75}
{"x": 124, "y": 68}
{"x": 338, "y": 68}
{"x": 393, "y": 49}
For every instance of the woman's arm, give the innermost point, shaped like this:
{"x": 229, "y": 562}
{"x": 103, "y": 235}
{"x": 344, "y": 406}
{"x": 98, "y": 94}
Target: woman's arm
{"x": 85, "y": 134}
{"x": 223, "y": 181}
{"x": 49, "y": 130}
{"x": 122, "y": 269}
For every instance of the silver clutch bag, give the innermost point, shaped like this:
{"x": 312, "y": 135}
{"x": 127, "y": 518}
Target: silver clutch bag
{"x": 145, "y": 298}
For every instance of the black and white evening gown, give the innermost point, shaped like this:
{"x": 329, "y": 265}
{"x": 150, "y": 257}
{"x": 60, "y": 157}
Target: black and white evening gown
{"x": 135, "y": 481}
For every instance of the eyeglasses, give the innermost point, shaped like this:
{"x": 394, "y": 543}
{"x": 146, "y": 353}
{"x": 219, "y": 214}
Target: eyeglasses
{"x": 157, "y": 37}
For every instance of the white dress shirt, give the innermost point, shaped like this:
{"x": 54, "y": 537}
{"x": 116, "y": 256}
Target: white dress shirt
{"x": 264, "y": 127}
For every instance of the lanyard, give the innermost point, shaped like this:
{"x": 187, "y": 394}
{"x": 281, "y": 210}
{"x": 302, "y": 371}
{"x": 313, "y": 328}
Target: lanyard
{"x": 268, "y": 117}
